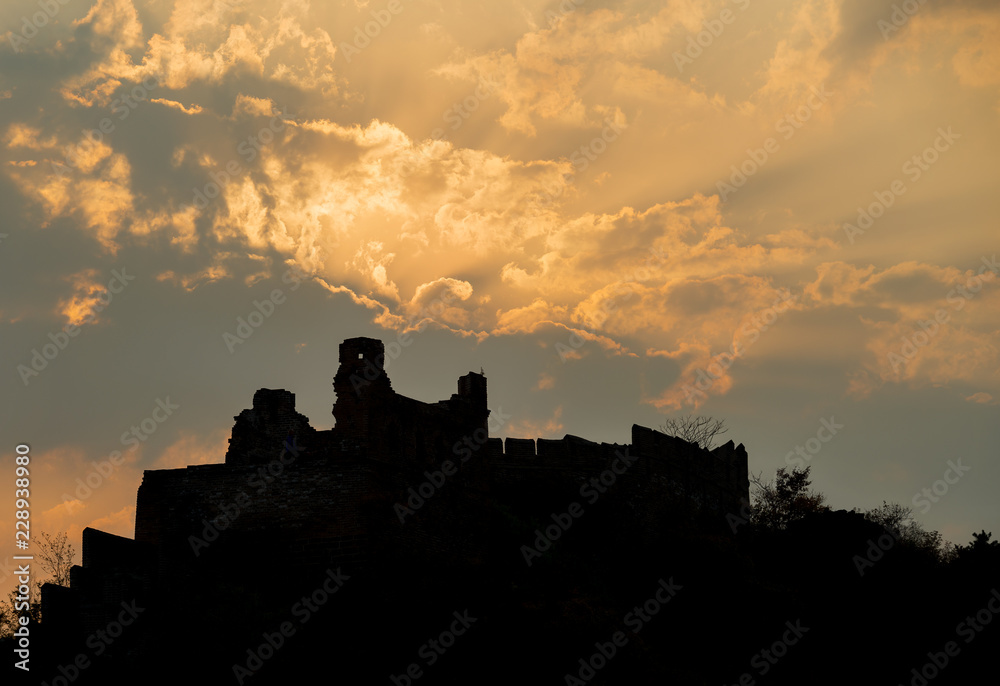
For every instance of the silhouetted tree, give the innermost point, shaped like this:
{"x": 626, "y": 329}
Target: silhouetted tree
{"x": 9, "y": 611}
{"x": 698, "y": 430}
{"x": 786, "y": 499}
{"x": 898, "y": 519}
{"x": 981, "y": 541}
{"x": 981, "y": 550}
{"x": 7, "y": 619}
{"x": 56, "y": 555}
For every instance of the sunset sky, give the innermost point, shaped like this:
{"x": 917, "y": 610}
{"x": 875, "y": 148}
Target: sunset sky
{"x": 780, "y": 214}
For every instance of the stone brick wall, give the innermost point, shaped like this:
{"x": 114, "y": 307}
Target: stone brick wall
{"x": 717, "y": 480}
{"x": 307, "y": 512}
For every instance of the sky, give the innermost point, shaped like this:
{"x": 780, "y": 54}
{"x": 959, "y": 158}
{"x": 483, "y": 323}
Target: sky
{"x": 778, "y": 214}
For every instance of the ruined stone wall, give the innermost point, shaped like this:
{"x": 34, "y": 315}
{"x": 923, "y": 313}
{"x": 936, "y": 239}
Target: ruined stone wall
{"x": 326, "y": 496}
{"x": 290, "y": 497}
{"x": 371, "y": 415}
{"x": 262, "y": 431}
{"x": 717, "y": 480}
{"x": 114, "y": 569}
{"x": 305, "y": 513}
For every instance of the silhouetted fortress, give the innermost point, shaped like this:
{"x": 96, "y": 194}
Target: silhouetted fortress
{"x": 291, "y": 497}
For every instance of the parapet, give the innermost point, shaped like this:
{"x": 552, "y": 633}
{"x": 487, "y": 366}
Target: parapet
{"x": 520, "y": 449}
{"x": 717, "y": 479}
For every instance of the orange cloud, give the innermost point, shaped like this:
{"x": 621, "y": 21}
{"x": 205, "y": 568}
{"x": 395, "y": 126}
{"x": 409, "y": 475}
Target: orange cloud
{"x": 191, "y": 449}
{"x": 173, "y": 104}
{"x": 545, "y": 382}
{"x": 547, "y": 428}
{"x": 121, "y": 523}
{"x": 88, "y": 299}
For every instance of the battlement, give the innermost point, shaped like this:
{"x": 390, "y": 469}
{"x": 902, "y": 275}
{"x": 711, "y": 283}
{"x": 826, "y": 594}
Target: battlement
{"x": 646, "y": 443}
{"x": 717, "y": 479}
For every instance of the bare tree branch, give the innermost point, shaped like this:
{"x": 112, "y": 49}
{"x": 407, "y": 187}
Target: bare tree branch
{"x": 56, "y": 555}
{"x": 701, "y": 431}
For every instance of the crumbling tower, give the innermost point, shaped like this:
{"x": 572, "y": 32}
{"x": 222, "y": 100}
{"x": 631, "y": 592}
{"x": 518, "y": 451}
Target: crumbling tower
{"x": 270, "y": 426}
{"x": 472, "y": 395}
{"x": 363, "y": 390}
